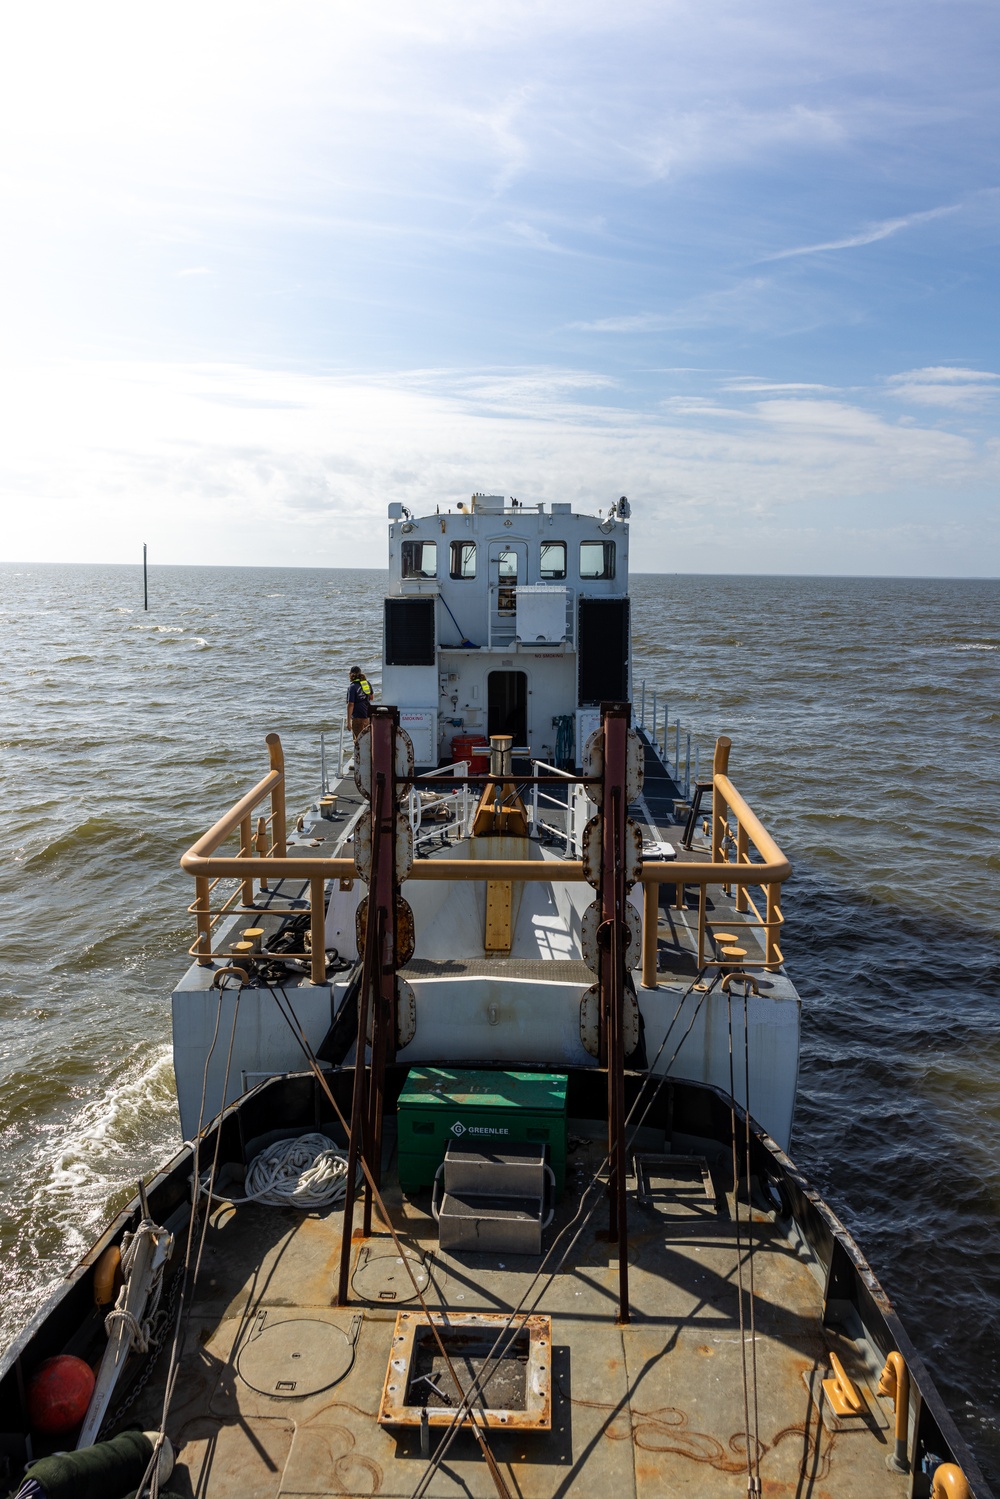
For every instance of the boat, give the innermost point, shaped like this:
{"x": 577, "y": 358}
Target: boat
{"x": 486, "y": 1067}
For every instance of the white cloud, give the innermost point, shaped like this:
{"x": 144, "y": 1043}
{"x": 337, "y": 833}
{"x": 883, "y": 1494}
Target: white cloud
{"x": 639, "y": 322}
{"x": 935, "y": 374}
{"x": 945, "y": 385}
{"x": 377, "y": 187}
{"x": 753, "y": 304}
{"x": 299, "y": 104}
{"x": 538, "y": 239}
{"x": 871, "y": 235}
{"x": 726, "y": 133}
{"x": 224, "y": 464}
{"x": 740, "y": 383}
{"x": 701, "y": 406}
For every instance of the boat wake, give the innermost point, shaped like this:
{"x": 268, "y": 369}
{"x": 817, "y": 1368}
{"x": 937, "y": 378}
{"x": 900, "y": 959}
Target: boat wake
{"x": 81, "y": 1172}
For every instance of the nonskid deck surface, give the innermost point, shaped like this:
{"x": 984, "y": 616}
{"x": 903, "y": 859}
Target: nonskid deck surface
{"x": 649, "y": 1409}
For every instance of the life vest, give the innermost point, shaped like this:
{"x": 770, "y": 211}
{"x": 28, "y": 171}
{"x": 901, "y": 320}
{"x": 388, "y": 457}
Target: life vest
{"x": 366, "y": 687}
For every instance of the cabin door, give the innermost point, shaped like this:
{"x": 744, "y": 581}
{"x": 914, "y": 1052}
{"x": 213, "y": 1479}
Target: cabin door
{"x": 507, "y": 705}
{"x": 508, "y": 569}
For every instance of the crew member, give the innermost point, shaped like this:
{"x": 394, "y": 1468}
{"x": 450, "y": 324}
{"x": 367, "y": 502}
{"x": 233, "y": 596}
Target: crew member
{"x": 359, "y": 695}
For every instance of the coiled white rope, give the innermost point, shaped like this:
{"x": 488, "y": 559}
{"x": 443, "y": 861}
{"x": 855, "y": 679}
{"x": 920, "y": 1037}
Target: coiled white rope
{"x": 139, "y": 1329}
{"x": 305, "y": 1173}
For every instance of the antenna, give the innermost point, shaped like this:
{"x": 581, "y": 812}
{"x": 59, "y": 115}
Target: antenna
{"x": 145, "y": 579}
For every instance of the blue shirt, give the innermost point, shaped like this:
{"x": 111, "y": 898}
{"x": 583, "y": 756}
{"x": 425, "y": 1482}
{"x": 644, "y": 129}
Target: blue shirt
{"x": 357, "y": 695}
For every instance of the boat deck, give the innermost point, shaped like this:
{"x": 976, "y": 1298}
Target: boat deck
{"x": 648, "y": 1409}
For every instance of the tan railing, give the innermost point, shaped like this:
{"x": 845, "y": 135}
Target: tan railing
{"x": 259, "y": 861}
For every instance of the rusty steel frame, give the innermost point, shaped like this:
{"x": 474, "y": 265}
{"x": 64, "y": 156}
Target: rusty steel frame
{"x": 612, "y": 935}
{"x": 378, "y": 989}
{"x": 356, "y": 1143}
{"x": 383, "y": 894}
{"x": 537, "y": 1414}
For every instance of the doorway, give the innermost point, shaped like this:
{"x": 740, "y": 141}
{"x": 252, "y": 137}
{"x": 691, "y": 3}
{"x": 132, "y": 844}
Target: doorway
{"x": 508, "y": 566}
{"x": 507, "y": 705}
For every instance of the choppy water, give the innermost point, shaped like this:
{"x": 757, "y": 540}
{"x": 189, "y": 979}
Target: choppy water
{"x": 864, "y": 715}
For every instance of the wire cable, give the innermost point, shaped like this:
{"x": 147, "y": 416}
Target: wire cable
{"x": 189, "y": 1280}
{"x": 750, "y": 1240}
{"x": 474, "y": 1389}
{"x": 497, "y": 1352}
{"x": 300, "y": 1036}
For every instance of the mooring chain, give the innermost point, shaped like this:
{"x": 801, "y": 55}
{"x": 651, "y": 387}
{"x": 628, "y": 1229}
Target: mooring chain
{"x": 164, "y": 1321}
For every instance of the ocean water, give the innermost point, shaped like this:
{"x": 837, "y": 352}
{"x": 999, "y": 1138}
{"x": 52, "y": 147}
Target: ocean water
{"x": 864, "y": 715}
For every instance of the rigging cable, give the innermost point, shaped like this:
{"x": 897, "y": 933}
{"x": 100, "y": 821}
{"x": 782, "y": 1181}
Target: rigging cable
{"x": 497, "y": 1352}
{"x": 750, "y": 1248}
{"x": 464, "y": 1407}
{"x": 752, "y": 1455}
{"x": 307, "y": 1051}
{"x": 189, "y": 1280}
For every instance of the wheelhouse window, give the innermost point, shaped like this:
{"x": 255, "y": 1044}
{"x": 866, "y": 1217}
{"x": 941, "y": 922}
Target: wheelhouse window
{"x": 463, "y": 559}
{"x": 507, "y": 580}
{"x": 597, "y": 559}
{"x": 507, "y": 567}
{"x": 419, "y": 559}
{"x": 552, "y": 560}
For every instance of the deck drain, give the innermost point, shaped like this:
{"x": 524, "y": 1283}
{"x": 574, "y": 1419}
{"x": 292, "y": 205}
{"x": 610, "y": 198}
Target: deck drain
{"x": 385, "y": 1280}
{"x": 290, "y": 1359}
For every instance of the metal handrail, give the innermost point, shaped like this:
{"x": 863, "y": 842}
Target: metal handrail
{"x": 417, "y": 806}
{"x": 205, "y": 865}
{"x": 538, "y": 796}
{"x": 658, "y": 734}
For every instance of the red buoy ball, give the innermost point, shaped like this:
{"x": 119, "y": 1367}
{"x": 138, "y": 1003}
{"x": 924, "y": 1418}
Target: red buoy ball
{"x": 59, "y": 1393}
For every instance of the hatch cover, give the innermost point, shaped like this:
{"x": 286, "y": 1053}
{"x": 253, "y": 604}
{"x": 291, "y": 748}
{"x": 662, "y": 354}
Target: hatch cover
{"x": 290, "y": 1359}
{"x": 384, "y": 1279}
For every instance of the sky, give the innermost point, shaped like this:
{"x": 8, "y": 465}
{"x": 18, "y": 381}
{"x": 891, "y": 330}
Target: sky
{"x": 266, "y": 267}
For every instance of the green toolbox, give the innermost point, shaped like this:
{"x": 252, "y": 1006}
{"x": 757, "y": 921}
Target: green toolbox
{"x": 482, "y": 1110}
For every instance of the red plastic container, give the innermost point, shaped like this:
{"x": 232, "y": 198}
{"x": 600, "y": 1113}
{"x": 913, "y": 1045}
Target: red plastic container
{"x": 461, "y": 749}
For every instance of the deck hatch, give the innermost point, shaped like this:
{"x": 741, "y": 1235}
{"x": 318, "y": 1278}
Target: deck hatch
{"x": 683, "y": 1181}
{"x": 383, "y": 1278}
{"x": 517, "y": 1394}
{"x": 295, "y": 1358}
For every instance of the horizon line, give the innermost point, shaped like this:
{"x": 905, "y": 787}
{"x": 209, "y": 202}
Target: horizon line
{"x": 634, "y": 573}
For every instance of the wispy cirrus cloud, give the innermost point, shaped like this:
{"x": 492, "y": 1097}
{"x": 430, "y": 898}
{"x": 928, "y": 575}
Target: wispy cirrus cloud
{"x": 723, "y": 132}
{"x": 537, "y": 239}
{"x": 945, "y": 385}
{"x": 753, "y": 304}
{"x": 750, "y": 384}
{"x": 639, "y": 322}
{"x": 945, "y": 373}
{"x": 883, "y": 230}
